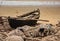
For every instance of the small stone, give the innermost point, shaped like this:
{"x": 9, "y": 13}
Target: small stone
{"x": 14, "y": 38}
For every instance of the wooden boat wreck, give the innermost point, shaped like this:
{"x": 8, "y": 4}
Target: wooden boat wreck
{"x": 26, "y": 19}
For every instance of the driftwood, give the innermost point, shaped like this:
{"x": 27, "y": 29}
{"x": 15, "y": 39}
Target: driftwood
{"x": 33, "y": 19}
{"x": 38, "y": 11}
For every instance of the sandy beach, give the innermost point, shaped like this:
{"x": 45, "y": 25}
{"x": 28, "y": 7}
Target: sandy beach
{"x": 51, "y": 13}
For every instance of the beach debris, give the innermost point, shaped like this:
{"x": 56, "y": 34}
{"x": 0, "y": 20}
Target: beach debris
{"x": 14, "y": 38}
{"x": 16, "y": 32}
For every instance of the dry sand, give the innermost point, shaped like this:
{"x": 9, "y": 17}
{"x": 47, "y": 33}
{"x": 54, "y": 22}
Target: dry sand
{"x": 51, "y": 13}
